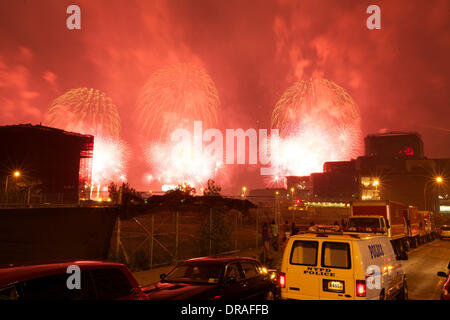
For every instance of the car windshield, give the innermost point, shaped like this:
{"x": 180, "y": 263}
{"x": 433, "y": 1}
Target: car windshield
{"x": 363, "y": 224}
{"x": 201, "y": 272}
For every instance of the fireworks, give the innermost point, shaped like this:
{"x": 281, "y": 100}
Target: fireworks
{"x": 178, "y": 163}
{"x": 318, "y": 122}
{"x": 174, "y": 97}
{"x": 87, "y": 111}
{"x": 90, "y": 111}
{"x": 109, "y": 161}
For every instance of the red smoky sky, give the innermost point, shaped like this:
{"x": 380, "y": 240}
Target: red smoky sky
{"x": 253, "y": 50}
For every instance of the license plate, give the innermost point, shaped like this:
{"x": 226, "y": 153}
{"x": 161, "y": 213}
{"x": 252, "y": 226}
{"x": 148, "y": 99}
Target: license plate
{"x": 334, "y": 286}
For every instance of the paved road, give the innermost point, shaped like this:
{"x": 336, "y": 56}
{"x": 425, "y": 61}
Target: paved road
{"x": 421, "y": 268}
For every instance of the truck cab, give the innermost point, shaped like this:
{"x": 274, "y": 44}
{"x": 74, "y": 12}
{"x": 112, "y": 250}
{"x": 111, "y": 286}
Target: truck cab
{"x": 384, "y": 217}
{"x": 370, "y": 224}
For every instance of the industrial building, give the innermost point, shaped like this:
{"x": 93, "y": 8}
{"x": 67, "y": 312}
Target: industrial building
{"x": 394, "y": 167}
{"x": 43, "y": 165}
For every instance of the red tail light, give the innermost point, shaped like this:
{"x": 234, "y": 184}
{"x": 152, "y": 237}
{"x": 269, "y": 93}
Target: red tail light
{"x": 282, "y": 280}
{"x": 360, "y": 288}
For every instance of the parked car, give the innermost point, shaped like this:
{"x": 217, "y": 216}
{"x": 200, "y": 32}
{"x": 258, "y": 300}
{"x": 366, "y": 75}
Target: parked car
{"x": 341, "y": 266}
{"x": 216, "y": 278}
{"x": 445, "y": 293}
{"x": 98, "y": 281}
{"x": 445, "y": 232}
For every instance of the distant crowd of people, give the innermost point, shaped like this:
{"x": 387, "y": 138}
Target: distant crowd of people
{"x": 271, "y": 234}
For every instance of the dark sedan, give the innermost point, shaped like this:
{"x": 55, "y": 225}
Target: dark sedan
{"x": 98, "y": 281}
{"x": 445, "y": 291}
{"x": 212, "y": 278}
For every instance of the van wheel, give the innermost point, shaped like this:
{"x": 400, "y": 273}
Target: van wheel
{"x": 382, "y": 295}
{"x": 404, "y": 293}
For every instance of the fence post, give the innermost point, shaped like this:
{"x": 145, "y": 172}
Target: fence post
{"x": 151, "y": 242}
{"x": 118, "y": 238}
{"x": 236, "y": 230}
{"x": 176, "y": 236}
{"x": 210, "y": 230}
{"x": 257, "y": 225}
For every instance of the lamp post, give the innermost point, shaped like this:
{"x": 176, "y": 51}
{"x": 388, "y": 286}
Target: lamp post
{"x": 15, "y": 174}
{"x": 438, "y": 180}
{"x": 292, "y": 194}
{"x": 243, "y": 191}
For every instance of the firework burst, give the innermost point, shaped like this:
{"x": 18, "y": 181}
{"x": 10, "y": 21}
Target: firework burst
{"x": 178, "y": 163}
{"x": 174, "y": 97}
{"x": 109, "y": 161}
{"x": 318, "y": 122}
{"x": 90, "y": 111}
{"x": 85, "y": 110}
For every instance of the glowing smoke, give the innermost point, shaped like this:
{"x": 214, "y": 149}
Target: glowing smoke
{"x": 318, "y": 122}
{"x": 173, "y": 98}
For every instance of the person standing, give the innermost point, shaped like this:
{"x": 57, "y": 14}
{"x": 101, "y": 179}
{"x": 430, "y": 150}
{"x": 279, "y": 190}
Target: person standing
{"x": 275, "y": 236}
{"x": 266, "y": 241}
{"x": 293, "y": 228}
{"x": 265, "y": 236}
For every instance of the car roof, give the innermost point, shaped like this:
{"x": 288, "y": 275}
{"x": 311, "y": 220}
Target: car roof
{"x": 22, "y": 273}
{"x": 222, "y": 259}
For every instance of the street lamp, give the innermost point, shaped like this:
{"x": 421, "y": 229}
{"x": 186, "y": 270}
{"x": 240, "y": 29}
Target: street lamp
{"x": 438, "y": 180}
{"x": 243, "y": 191}
{"x": 292, "y": 194}
{"x": 15, "y": 174}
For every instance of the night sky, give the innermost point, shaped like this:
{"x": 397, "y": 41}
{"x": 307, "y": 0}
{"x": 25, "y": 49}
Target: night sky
{"x": 253, "y": 50}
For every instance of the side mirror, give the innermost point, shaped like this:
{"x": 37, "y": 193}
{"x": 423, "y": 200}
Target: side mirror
{"x": 442, "y": 274}
{"x": 162, "y": 276}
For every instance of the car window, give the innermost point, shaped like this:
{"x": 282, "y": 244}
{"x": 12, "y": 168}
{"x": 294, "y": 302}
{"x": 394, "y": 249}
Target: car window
{"x": 304, "y": 253}
{"x": 233, "y": 272}
{"x": 196, "y": 272}
{"x": 55, "y": 287}
{"x": 336, "y": 255}
{"x": 111, "y": 284}
{"x": 9, "y": 293}
{"x": 250, "y": 270}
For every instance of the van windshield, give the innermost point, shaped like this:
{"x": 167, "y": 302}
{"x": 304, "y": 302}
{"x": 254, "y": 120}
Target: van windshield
{"x": 364, "y": 224}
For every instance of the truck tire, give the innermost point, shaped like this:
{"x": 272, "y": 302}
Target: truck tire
{"x": 404, "y": 291}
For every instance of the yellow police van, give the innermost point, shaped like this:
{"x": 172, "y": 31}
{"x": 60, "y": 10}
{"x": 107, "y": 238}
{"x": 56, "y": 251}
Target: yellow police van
{"x": 341, "y": 266}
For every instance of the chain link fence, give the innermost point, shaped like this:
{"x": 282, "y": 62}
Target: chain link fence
{"x": 164, "y": 238}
